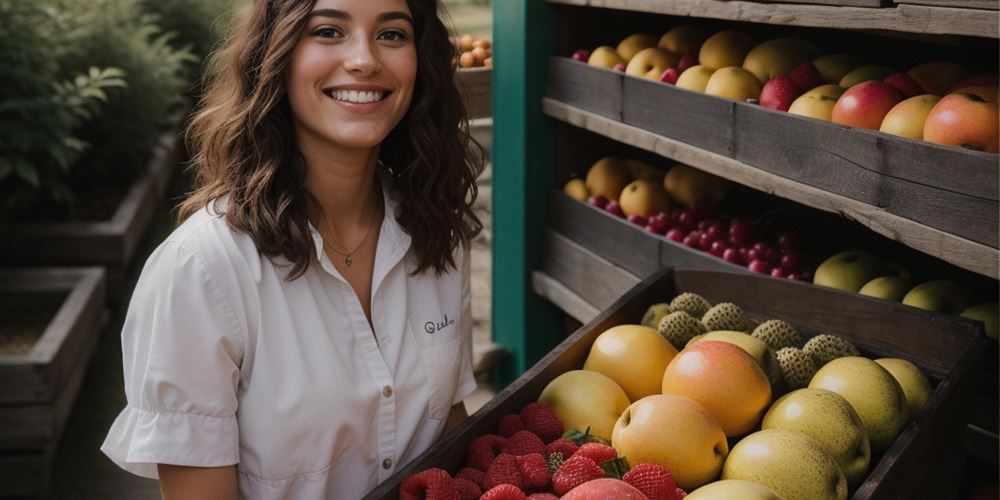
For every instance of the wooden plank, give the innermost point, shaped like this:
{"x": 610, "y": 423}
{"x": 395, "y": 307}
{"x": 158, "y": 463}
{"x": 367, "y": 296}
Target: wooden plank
{"x": 835, "y": 3}
{"x": 904, "y": 18}
{"x": 595, "y": 89}
{"x": 571, "y": 303}
{"x": 475, "y": 85}
{"x": 961, "y": 252}
{"x": 966, "y": 4}
{"x": 576, "y": 268}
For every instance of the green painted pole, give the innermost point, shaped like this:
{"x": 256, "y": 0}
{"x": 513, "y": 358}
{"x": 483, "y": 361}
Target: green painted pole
{"x": 523, "y": 171}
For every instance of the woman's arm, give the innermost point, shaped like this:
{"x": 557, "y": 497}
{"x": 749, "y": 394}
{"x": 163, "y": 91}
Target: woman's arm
{"x": 196, "y": 483}
{"x": 456, "y": 416}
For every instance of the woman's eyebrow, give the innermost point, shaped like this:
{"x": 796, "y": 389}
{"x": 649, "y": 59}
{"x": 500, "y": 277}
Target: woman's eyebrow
{"x": 393, "y": 15}
{"x": 334, "y": 13}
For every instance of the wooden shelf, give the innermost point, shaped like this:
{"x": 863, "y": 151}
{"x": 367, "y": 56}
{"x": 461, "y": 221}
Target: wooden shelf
{"x": 961, "y": 252}
{"x": 906, "y": 18}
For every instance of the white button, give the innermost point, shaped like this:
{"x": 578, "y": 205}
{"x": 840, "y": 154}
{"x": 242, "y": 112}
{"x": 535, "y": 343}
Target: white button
{"x": 387, "y": 463}
{"x": 387, "y": 391}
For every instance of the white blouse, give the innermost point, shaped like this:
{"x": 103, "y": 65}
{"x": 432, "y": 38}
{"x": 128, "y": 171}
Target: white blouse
{"x": 227, "y": 363}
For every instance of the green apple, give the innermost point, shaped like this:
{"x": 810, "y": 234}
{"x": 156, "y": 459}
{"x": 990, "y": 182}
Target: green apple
{"x": 849, "y": 271}
{"x": 793, "y": 464}
{"x": 916, "y": 388}
{"x": 872, "y": 392}
{"x": 756, "y": 348}
{"x": 864, "y": 74}
{"x": 987, "y": 313}
{"x": 728, "y": 489}
{"x": 830, "y": 419}
{"x": 887, "y": 287}
{"x": 942, "y": 296}
{"x": 833, "y": 67}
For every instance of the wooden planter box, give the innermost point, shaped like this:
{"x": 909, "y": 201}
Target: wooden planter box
{"x": 37, "y": 389}
{"x": 945, "y": 348}
{"x": 476, "y": 87}
{"x": 948, "y": 189}
{"x": 109, "y": 243}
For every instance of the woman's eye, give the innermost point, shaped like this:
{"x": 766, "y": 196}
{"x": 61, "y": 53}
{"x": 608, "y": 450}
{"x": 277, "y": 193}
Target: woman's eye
{"x": 392, "y": 35}
{"x": 327, "y": 32}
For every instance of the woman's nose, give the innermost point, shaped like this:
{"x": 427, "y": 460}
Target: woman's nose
{"x": 361, "y": 58}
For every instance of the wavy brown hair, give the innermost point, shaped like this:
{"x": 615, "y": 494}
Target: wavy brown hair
{"x": 243, "y": 147}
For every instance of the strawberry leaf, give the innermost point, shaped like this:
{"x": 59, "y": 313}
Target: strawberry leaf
{"x": 616, "y": 467}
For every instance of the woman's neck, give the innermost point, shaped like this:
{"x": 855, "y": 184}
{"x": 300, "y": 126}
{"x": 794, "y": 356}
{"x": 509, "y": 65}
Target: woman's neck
{"x": 343, "y": 184}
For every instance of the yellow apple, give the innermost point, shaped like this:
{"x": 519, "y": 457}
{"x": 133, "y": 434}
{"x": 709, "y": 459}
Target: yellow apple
{"x": 650, "y": 63}
{"x": 644, "y": 197}
{"x": 695, "y": 78}
{"x": 632, "y": 44}
{"x": 577, "y": 189}
{"x": 634, "y": 356}
{"x": 685, "y": 184}
{"x": 683, "y": 38}
{"x": 605, "y": 57}
{"x": 585, "y": 398}
{"x": 907, "y": 118}
{"x": 792, "y": 463}
{"x": 937, "y": 77}
{"x": 887, "y": 287}
{"x": 849, "y": 271}
{"x": 830, "y": 419}
{"x": 607, "y": 177}
{"x": 733, "y": 82}
{"x": 987, "y": 313}
{"x": 729, "y": 489}
{"x": 833, "y": 67}
{"x": 942, "y": 296}
{"x": 674, "y": 432}
{"x": 916, "y": 387}
{"x": 864, "y": 74}
{"x": 817, "y": 103}
{"x": 725, "y": 48}
{"x": 643, "y": 170}
{"x": 776, "y": 57}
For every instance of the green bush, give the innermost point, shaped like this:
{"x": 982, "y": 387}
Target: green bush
{"x": 197, "y": 23}
{"x": 39, "y": 111}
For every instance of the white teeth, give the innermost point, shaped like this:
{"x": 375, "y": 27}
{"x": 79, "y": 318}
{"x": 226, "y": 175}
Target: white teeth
{"x": 357, "y": 96}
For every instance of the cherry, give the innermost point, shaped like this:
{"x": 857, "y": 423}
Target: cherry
{"x": 614, "y": 208}
{"x": 732, "y": 256}
{"x": 598, "y": 201}
{"x": 778, "y": 272}
{"x": 581, "y": 55}
{"x": 790, "y": 261}
{"x": 740, "y": 232}
{"x": 691, "y": 240}
{"x": 789, "y": 241}
{"x": 718, "y": 248}
{"x": 705, "y": 241}
{"x": 759, "y": 266}
{"x": 703, "y": 208}
{"x": 676, "y": 234}
{"x": 637, "y": 219}
{"x": 687, "y": 219}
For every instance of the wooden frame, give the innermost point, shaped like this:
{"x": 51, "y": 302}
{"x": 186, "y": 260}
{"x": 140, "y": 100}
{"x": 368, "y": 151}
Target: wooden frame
{"x": 475, "y": 85}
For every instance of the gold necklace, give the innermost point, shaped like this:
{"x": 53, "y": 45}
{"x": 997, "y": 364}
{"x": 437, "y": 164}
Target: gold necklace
{"x": 349, "y": 256}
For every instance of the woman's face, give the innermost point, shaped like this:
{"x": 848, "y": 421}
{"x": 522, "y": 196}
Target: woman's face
{"x": 352, "y": 73}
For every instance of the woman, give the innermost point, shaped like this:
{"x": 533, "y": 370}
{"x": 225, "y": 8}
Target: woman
{"x": 306, "y": 329}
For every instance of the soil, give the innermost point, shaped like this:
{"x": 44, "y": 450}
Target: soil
{"x": 24, "y": 317}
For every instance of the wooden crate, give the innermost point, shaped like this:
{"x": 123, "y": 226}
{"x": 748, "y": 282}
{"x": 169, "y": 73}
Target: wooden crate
{"x": 945, "y": 348}
{"x": 986, "y": 5}
{"x": 37, "y": 389}
{"x": 476, "y": 87}
{"x": 837, "y": 3}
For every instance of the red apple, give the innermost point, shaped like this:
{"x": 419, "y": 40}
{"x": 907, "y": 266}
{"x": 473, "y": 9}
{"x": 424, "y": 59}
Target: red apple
{"x": 904, "y": 84}
{"x": 670, "y": 75}
{"x": 806, "y": 76}
{"x": 965, "y": 120}
{"x": 779, "y": 92}
{"x": 865, "y": 105}
{"x": 581, "y": 55}
{"x": 975, "y": 81}
{"x": 688, "y": 58}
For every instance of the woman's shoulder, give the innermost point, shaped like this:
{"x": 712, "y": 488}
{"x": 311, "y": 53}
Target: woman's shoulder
{"x": 207, "y": 236}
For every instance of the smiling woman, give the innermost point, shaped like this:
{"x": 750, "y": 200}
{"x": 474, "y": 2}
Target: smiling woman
{"x": 277, "y": 343}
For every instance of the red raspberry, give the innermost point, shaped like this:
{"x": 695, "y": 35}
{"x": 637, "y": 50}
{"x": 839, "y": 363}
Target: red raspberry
{"x": 654, "y": 480}
{"x": 504, "y": 470}
{"x": 428, "y": 484}
{"x": 504, "y": 492}
{"x": 524, "y": 443}
{"x": 483, "y": 450}
{"x": 540, "y": 419}
{"x": 574, "y": 472}
{"x": 510, "y": 425}
{"x": 467, "y": 490}
{"x": 472, "y": 474}
{"x": 597, "y": 452}
{"x": 565, "y": 446}
{"x": 534, "y": 471}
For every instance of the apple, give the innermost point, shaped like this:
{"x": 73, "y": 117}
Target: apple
{"x": 608, "y": 176}
{"x": 688, "y": 59}
{"x": 849, "y": 271}
{"x": 907, "y": 118}
{"x": 936, "y": 77}
{"x": 887, "y": 287}
{"x": 987, "y": 313}
{"x": 693, "y": 450}
{"x": 975, "y": 81}
{"x": 581, "y": 55}
{"x": 865, "y": 105}
{"x": 604, "y": 488}
{"x": 643, "y": 170}
{"x": 605, "y": 57}
{"x": 964, "y": 120}
{"x": 864, "y": 74}
{"x": 942, "y": 296}
{"x": 904, "y": 84}
{"x": 682, "y": 39}
{"x": 989, "y": 92}
{"x": 728, "y": 489}
{"x": 733, "y": 82}
{"x": 585, "y": 398}
{"x": 634, "y": 356}
{"x": 777, "y": 57}
{"x": 651, "y": 63}
{"x": 756, "y": 348}
{"x": 644, "y": 197}
{"x": 833, "y": 67}
{"x": 695, "y": 78}
{"x": 830, "y": 419}
{"x": 725, "y": 48}
{"x": 577, "y": 189}
{"x": 817, "y": 103}
{"x": 686, "y": 185}
{"x": 791, "y": 463}
{"x": 633, "y": 44}
{"x": 872, "y": 392}
{"x": 670, "y": 76}
{"x": 916, "y": 388}
{"x": 806, "y": 76}
{"x": 779, "y": 93}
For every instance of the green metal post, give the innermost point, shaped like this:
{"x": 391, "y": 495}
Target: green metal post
{"x": 523, "y": 171}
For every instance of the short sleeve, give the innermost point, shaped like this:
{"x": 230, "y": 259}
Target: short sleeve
{"x": 467, "y": 381}
{"x": 181, "y": 347}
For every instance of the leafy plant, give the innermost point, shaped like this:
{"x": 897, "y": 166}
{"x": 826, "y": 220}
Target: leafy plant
{"x": 197, "y": 23}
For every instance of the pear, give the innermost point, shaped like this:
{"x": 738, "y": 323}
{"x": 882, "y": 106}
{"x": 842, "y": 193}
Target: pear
{"x": 793, "y": 464}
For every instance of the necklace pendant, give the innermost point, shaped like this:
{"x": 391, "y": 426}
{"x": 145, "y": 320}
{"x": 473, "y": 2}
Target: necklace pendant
{"x": 348, "y": 260}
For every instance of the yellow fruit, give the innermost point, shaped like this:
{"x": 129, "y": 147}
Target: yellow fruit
{"x": 685, "y": 184}
{"x": 577, "y": 189}
{"x": 674, "y": 432}
{"x": 725, "y": 48}
{"x": 730, "y": 489}
{"x": 644, "y": 197}
{"x": 607, "y": 177}
{"x": 634, "y": 356}
{"x": 584, "y": 398}
{"x": 792, "y": 463}
{"x": 916, "y": 387}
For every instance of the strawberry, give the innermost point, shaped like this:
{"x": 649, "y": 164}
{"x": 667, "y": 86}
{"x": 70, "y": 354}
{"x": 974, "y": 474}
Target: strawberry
{"x": 542, "y": 496}
{"x": 574, "y": 472}
{"x": 483, "y": 450}
{"x": 565, "y": 446}
{"x": 597, "y": 452}
{"x": 428, "y": 484}
{"x": 504, "y": 470}
{"x": 540, "y": 419}
{"x": 504, "y": 492}
{"x": 467, "y": 490}
{"x": 654, "y": 480}
{"x": 534, "y": 471}
{"x": 472, "y": 474}
{"x": 524, "y": 443}
{"x": 509, "y": 425}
